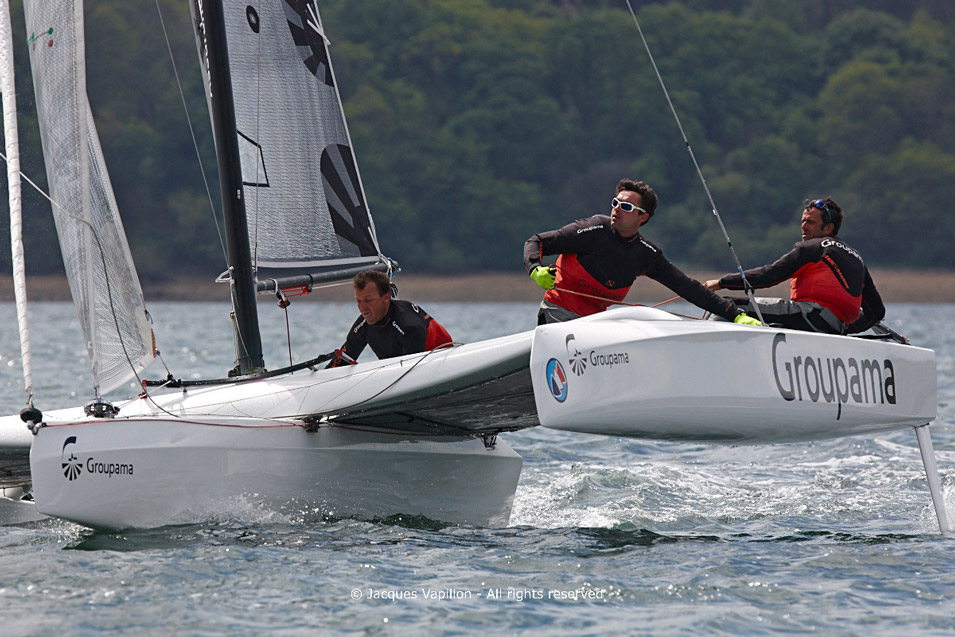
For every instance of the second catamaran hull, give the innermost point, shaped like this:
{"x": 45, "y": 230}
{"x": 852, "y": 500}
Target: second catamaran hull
{"x": 643, "y": 373}
{"x": 149, "y": 472}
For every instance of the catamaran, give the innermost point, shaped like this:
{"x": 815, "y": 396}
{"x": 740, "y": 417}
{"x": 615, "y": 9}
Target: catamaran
{"x": 415, "y": 435}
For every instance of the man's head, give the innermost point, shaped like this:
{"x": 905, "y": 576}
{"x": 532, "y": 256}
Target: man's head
{"x": 641, "y": 201}
{"x": 820, "y": 218}
{"x": 372, "y": 294}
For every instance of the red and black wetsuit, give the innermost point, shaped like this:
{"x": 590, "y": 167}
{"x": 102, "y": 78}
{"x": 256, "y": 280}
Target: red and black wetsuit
{"x": 595, "y": 261}
{"x": 405, "y": 329}
{"x": 826, "y": 271}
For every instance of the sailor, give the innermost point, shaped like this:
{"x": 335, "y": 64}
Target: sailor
{"x": 601, "y": 257}
{"x": 391, "y": 327}
{"x": 830, "y": 290}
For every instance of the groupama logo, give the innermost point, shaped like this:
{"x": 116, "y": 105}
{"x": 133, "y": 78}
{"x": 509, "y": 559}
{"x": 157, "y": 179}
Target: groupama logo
{"x": 72, "y": 467}
{"x": 578, "y": 362}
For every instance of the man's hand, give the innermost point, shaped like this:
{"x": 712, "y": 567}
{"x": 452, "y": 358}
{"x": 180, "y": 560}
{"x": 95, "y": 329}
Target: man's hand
{"x": 744, "y": 319}
{"x": 545, "y": 276}
{"x": 712, "y": 284}
{"x": 341, "y": 358}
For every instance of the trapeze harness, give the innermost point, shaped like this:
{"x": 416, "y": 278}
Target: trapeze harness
{"x": 597, "y": 262}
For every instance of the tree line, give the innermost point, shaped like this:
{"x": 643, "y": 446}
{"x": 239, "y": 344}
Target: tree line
{"x": 479, "y": 122}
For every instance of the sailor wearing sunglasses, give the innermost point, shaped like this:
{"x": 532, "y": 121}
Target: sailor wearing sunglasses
{"x": 601, "y": 256}
{"x": 831, "y": 290}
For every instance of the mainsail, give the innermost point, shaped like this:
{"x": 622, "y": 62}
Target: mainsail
{"x": 303, "y": 195}
{"x": 98, "y": 263}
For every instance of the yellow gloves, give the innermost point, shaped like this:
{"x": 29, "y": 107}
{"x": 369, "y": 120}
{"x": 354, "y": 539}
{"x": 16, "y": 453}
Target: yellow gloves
{"x": 743, "y": 319}
{"x": 545, "y": 276}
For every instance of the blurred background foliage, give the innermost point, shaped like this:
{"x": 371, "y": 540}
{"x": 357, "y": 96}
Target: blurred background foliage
{"x": 479, "y": 122}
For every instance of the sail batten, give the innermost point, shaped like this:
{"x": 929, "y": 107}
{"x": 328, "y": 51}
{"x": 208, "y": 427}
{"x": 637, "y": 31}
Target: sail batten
{"x": 99, "y": 265}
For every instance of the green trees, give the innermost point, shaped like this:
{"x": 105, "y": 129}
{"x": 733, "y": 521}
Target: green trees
{"x": 479, "y": 122}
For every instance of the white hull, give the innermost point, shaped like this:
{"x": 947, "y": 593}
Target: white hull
{"x": 124, "y": 473}
{"x": 399, "y": 436}
{"x": 643, "y": 373}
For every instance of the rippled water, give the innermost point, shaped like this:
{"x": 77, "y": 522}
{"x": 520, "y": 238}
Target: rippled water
{"x": 607, "y": 535}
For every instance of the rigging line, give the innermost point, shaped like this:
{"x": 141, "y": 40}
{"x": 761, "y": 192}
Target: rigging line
{"x": 314, "y": 22}
{"x": 102, "y": 256}
{"x": 195, "y": 145}
{"x": 192, "y": 132}
{"x": 258, "y": 128}
{"x": 739, "y": 266}
{"x": 400, "y": 377}
{"x": 612, "y": 302}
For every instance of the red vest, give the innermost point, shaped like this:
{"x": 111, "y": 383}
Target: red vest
{"x": 816, "y": 282}
{"x": 571, "y": 278}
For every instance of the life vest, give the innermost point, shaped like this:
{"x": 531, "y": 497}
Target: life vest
{"x": 573, "y": 278}
{"x": 819, "y": 282}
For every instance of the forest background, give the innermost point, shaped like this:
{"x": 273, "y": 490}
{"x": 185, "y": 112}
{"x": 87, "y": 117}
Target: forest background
{"x": 479, "y": 122}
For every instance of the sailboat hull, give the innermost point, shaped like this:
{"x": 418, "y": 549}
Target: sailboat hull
{"x": 413, "y": 435}
{"x": 147, "y": 472}
{"x": 643, "y": 373}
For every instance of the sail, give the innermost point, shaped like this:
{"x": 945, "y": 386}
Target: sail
{"x": 303, "y": 195}
{"x": 98, "y": 263}
{"x": 12, "y": 144}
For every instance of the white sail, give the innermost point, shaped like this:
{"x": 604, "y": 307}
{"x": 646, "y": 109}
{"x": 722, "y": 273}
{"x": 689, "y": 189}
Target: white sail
{"x": 11, "y": 140}
{"x": 303, "y": 194}
{"x": 98, "y": 263}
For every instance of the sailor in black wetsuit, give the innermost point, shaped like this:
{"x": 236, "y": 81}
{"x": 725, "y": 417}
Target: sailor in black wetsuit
{"x": 600, "y": 257}
{"x": 831, "y": 290}
{"x": 391, "y": 327}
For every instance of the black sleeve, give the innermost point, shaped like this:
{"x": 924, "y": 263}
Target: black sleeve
{"x": 784, "y": 268}
{"x": 692, "y": 290}
{"x": 356, "y": 340}
{"x": 873, "y": 310}
{"x": 565, "y": 240}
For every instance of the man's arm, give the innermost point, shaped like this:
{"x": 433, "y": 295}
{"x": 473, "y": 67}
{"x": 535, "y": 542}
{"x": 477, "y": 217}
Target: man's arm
{"x": 769, "y": 275}
{"x": 565, "y": 240}
{"x": 692, "y": 290}
{"x": 873, "y": 310}
{"x": 354, "y": 343}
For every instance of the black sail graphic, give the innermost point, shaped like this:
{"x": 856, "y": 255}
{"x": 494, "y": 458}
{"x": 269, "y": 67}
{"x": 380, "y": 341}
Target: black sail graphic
{"x": 303, "y": 196}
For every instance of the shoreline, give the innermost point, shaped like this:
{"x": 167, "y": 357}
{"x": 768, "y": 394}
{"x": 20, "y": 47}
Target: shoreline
{"x": 895, "y": 286}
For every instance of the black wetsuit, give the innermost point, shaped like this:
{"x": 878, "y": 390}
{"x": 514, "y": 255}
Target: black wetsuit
{"x": 827, "y": 272}
{"x": 597, "y": 266}
{"x": 405, "y": 329}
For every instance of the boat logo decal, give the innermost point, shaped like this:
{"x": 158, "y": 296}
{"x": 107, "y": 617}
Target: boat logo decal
{"x": 557, "y": 380}
{"x": 803, "y": 376}
{"x": 72, "y": 467}
{"x": 578, "y": 362}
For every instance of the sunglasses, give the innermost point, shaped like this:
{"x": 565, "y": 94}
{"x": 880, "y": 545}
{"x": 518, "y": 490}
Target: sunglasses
{"x": 819, "y": 203}
{"x": 626, "y": 206}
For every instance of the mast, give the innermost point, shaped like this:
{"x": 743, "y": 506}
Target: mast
{"x": 248, "y": 341}
{"x": 8, "y": 91}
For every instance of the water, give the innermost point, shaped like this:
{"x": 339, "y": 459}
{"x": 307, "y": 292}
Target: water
{"x": 607, "y": 535}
